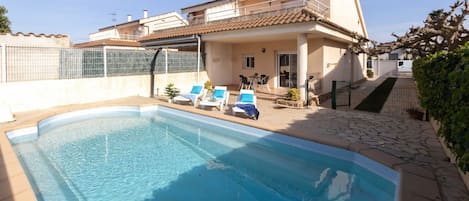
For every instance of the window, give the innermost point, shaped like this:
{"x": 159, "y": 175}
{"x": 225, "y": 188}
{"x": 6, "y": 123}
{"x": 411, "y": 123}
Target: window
{"x": 248, "y": 62}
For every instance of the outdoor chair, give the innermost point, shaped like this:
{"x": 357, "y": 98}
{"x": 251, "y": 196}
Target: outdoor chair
{"x": 247, "y": 104}
{"x": 263, "y": 82}
{"x": 218, "y": 99}
{"x": 197, "y": 92}
{"x": 244, "y": 82}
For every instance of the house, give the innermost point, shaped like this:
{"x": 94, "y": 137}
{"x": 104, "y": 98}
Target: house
{"x": 126, "y": 34}
{"x": 393, "y": 53}
{"x": 290, "y": 40}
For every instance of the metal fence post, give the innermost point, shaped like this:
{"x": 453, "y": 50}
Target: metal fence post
{"x": 105, "y": 61}
{"x": 4, "y": 63}
{"x": 166, "y": 66}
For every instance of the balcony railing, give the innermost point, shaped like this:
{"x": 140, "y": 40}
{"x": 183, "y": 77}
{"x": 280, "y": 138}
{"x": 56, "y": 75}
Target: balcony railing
{"x": 321, "y": 7}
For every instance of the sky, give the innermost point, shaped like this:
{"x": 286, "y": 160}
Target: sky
{"x": 79, "y": 18}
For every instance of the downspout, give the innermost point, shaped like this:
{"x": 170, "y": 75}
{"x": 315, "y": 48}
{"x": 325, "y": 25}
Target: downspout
{"x": 152, "y": 73}
{"x": 198, "y": 58}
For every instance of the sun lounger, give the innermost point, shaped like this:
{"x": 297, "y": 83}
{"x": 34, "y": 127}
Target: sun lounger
{"x": 246, "y": 103}
{"x": 197, "y": 92}
{"x": 218, "y": 99}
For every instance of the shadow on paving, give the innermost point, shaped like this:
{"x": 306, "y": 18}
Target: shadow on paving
{"x": 375, "y": 101}
{"x": 5, "y": 184}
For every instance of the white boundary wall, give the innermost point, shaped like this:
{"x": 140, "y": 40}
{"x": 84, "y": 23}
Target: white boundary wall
{"x": 383, "y": 67}
{"x": 33, "y": 95}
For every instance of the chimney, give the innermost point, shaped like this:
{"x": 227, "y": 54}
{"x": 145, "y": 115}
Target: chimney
{"x": 145, "y": 13}
{"x": 129, "y": 18}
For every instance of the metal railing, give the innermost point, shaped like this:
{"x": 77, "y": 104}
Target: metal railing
{"x": 41, "y": 63}
{"x": 321, "y": 7}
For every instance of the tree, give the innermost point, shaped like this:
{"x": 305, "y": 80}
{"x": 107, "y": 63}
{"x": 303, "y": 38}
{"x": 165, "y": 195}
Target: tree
{"x": 442, "y": 31}
{"x": 4, "y": 21}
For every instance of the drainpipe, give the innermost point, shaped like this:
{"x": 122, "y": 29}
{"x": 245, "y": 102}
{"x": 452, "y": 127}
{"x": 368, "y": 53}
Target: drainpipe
{"x": 152, "y": 73}
{"x": 198, "y": 58}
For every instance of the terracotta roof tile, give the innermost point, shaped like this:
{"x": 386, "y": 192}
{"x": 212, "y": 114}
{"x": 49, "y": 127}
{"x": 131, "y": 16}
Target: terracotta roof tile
{"x": 108, "y": 42}
{"x": 243, "y": 22}
{"x": 287, "y": 16}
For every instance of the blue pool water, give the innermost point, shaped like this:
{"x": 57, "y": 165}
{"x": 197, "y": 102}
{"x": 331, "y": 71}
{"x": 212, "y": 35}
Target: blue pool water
{"x": 165, "y": 154}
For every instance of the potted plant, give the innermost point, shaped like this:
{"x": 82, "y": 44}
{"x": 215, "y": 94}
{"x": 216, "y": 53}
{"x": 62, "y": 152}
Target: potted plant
{"x": 369, "y": 73}
{"x": 171, "y": 92}
{"x": 293, "y": 94}
{"x": 208, "y": 85}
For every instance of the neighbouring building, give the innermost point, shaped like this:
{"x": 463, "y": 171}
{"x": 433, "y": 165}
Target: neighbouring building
{"x": 126, "y": 34}
{"x": 35, "y": 40}
{"x": 289, "y": 40}
{"x": 25, "y": 54}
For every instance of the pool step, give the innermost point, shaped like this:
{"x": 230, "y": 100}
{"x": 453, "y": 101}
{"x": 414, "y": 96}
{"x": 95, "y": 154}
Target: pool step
{"x": 46, "y": 179}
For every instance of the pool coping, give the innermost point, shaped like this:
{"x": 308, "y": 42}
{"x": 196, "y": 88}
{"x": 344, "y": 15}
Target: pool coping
{"x": 414, "y": 183}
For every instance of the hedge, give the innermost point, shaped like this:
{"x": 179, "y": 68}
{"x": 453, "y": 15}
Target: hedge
{"x": 443, "y": 83}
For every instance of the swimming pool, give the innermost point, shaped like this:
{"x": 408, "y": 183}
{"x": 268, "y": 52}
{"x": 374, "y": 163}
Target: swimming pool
{"x": 157, "y": 153}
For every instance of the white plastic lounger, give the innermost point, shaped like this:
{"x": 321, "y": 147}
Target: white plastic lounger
{"x": 197, "y": 92}
{"x": 218, "y": 99}
{"x": 246, "y": 97}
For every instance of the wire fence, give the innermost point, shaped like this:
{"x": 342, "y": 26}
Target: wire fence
{"x": 40, "y": 63}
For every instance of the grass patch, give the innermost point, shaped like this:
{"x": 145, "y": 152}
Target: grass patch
{"x": 375, "y": 101}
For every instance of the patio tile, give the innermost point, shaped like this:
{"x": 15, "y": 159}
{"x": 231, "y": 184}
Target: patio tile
{"x": 13, "y": 186}
{"x": 382, "y": 157}
{"x": 27, "y": 195}
{"x": 416, "y": 170}
{"x": 414, "y": 187}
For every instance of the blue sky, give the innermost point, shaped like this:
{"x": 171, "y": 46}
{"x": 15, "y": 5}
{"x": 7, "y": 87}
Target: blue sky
{"x": 79, "y": 18}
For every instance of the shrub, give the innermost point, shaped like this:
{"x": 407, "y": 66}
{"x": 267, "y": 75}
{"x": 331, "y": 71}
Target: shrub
{"x": 443, "y": 83}
{"x": 293, "y": 94}
{"x": 208, "y": 85}
{"x": 369, "y": 73}
{"x": 171, "y": 91}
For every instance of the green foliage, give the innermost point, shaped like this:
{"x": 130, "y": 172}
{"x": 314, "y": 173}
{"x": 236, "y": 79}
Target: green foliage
{"x": 293, "y": 94}
{"x": 208, "y": 85}
{"x": 171, "y": 91}
{"x": 4, "y": 21}
{"x": 443, "y": 82}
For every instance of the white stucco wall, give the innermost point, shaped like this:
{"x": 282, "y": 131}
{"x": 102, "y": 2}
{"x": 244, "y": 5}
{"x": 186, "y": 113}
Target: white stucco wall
{"x": 382, "y": 67}
{"x": 111, "y": 33}
{"x": 164, "y": 21}
{"x": 223, "y": 11}
{"x": 182, "y": 81}
{"x": 33, "y": 95}
{"x": 35, "y": 41}
{"x": 346, "y": 14}
{"x": 338, "y": 63}
{"x": 219, "y": 62}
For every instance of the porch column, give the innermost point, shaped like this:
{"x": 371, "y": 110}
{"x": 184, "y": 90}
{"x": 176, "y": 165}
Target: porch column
{"x": 302, "y": 57}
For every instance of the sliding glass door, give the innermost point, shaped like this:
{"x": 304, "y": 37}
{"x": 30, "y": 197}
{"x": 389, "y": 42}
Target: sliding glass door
{"x": 286, "y": 70}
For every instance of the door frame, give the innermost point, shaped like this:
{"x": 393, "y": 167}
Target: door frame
{"x": 277, "y": 66}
